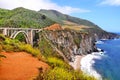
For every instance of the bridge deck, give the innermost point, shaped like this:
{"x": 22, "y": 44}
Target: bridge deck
{"x": 20, "y": 29}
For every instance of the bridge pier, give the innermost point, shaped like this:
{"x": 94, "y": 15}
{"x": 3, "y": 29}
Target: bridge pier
{"x": 30, "y": 35}
{"x": 5, "y": 31}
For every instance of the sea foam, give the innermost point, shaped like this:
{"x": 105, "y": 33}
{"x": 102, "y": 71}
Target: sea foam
{"x": 99, "y": 42}
{"x": 87, "y": 64}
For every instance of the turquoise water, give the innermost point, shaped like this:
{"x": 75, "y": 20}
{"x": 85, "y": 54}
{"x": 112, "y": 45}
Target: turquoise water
{"x": 109, "y": 66}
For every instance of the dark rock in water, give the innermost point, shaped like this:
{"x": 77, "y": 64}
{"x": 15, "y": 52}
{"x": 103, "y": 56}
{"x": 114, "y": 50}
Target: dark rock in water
{"x": 101, "y": 53}
{"x": 89, "y": 52}
{"x": 94, "y": 43}
{"x": 102, "y": 50}
{"x": 95, "y": 50}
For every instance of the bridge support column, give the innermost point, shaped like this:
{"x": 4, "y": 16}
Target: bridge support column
{"x": 5, "y": 31}
{"x": 30, "y": 35}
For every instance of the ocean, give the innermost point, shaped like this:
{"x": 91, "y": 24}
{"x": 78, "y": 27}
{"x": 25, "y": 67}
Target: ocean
{"x": 106, "y": 65}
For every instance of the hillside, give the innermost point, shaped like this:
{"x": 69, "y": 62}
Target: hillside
{"x": 66, "y": 19}
{"x": 77, "y": 24}
{"x": 17, "y": 60}
{"x": 21, "y": 17}
{"x": 62, "y": 38}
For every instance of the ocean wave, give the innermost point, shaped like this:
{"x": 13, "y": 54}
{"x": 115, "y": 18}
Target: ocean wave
{"x": 117, "y": 39}
{"x": 99, "y": 42}
{"x": 87, "y": 64}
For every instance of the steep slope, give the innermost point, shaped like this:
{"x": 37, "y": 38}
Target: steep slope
{"x": 71, "y": 42}
{"x": 54, "y": 15}
{"x": 78, "y": 24}
{"x": 64, "y": 19}
{"x": 21, "y": 17}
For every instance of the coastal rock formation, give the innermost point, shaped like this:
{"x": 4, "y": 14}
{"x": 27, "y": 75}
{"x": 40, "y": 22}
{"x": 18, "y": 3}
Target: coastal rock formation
{"x": 71, "y": 42}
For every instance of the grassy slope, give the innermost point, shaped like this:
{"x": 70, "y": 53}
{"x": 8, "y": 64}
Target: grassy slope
{"x": 77, "y": 24}
{"x": 60, "y": 70}
{"x": 62, "y": 18}
{"x": 21, "y": 17}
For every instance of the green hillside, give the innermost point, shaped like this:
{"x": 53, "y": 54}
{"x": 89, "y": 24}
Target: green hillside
{"x": 62, "y": 18}
{"x": 54, "y": 15}
{"x": 21, "y": 17}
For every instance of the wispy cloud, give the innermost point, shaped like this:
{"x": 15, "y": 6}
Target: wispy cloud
{"x": 111, "y": 2}
{"x": 40, "y": 4}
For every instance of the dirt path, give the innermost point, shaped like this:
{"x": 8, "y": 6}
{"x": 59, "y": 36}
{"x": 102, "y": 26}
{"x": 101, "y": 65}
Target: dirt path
{"x": 19, "y": 66}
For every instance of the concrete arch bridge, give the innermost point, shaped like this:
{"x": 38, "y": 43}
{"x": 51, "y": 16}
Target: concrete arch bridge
{"x": 29, "y": 33}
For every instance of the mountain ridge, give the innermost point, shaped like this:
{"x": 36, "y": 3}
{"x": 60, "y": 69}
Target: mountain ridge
{"x": 21, "y": 17}
{"x": 18, "y": 16}
{"x": 60, "y": 18}
{"x": 25, "y": 18}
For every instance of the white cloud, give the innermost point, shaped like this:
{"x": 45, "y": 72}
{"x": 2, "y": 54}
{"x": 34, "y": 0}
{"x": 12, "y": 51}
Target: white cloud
{"x": 111, "y": 2}
{"x": 39, "y": 4}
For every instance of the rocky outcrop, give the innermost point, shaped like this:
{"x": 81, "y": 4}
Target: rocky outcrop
{"x": 71, "y": 43}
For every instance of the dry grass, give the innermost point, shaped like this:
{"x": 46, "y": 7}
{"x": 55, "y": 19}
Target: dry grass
{"x": 77, "y": 27}
{"x": 73, "y": 26}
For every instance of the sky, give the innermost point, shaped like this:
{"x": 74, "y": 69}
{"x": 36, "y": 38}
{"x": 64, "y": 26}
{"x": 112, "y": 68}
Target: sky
{"x": 104, "y": 13}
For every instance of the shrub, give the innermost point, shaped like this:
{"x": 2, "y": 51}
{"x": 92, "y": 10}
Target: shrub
{"x": 10, "y": 45}
{"x": 10, "y": 41}
{"x": 58, "y": 74}
{"x": 60, "y": 70}
{"x": 78, "y": 75}
{"x": 28, "y": 48}
{"x": 2, "y": 37}
{"x": 56, "y": 62}
{"x": 47, "y": 50}
{"x": 8, "y": 48}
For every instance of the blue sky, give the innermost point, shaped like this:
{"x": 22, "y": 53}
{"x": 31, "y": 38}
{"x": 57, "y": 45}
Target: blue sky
{"x": 104, "y": 13}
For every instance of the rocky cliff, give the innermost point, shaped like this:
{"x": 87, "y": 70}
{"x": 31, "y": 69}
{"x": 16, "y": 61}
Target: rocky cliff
{"x": 71, "y": 42}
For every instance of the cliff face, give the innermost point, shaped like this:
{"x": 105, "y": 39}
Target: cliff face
{"x": 71, "y": 43}
{"x": 101, "y": 34}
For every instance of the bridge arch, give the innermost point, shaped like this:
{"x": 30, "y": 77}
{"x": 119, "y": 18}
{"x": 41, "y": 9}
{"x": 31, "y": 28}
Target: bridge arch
{"x": 18, "y": 32}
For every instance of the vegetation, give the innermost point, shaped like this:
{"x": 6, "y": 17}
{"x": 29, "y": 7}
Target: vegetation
{"x": 62, "y": 18}
{"x": 13, "y": 45}
{"x": 20, "y": 37}
{"x": 46, "y": 49}
{"x": 62, "y": 71}
{"x": 59, "y": 69}
{"x": 24, "y": 18}
{"x": 20, "y": 17}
